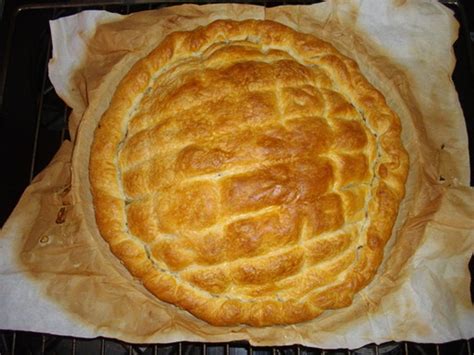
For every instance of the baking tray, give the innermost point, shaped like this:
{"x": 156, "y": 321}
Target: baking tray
{"x": 33, "y": 123}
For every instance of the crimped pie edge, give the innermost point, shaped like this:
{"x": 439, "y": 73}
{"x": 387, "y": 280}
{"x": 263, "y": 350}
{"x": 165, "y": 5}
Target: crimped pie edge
{"x": 382, "y": 211}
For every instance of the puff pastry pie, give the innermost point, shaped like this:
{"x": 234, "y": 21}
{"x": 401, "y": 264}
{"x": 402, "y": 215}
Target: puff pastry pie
{"x": 248, "y": 173}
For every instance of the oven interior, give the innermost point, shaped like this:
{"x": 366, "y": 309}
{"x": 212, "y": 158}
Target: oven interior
{"x": 33, "y": 123}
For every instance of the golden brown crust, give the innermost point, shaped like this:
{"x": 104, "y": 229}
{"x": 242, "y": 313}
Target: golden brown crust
{"x": 248, "y": 173}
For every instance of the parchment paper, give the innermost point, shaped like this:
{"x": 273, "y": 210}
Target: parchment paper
{"x": 58, "y": 276}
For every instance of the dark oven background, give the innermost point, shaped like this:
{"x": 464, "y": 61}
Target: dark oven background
{"x": 33, "y": 123}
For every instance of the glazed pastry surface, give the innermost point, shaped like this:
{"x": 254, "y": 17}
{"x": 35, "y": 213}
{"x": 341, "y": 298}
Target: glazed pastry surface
{"x": 248, "y": 173}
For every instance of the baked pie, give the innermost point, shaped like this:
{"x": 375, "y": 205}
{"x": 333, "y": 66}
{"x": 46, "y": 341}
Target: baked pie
{"x": 248, "y": 173}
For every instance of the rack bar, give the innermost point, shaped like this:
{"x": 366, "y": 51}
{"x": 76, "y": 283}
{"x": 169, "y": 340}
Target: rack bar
{"x": 39, "y": 115}
{"x": 63, "y": 5}
{"x": 13, "y": 343}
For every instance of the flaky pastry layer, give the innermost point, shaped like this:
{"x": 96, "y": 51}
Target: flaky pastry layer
{"x": 248, "y": 173}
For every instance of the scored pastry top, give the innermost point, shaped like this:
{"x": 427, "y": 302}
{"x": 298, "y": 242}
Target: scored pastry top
{"x": 248, "y": 173}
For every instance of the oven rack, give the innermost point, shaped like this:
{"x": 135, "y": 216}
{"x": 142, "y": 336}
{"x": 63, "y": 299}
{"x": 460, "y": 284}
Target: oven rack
{"x": 15, "y": 343}
{"x": 33, "y": 123}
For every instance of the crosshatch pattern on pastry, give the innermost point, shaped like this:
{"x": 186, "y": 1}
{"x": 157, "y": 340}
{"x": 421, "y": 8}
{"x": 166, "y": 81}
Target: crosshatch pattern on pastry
{"x": 248, "y": 173}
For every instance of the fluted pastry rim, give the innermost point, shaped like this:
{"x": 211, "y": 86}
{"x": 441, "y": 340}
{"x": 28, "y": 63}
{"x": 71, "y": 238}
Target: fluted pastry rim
{"x": 386, "y": 191}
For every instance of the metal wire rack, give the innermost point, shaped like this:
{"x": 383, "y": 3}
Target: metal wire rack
{"x": 31, "y": 343}
{"x": 36, "y": 119}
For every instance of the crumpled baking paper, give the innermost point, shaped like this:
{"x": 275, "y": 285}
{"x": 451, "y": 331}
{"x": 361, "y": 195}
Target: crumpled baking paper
{"x": 58, "y": 276}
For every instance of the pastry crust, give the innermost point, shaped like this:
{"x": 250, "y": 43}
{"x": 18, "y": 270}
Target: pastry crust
{"x": 248, "y": 173}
